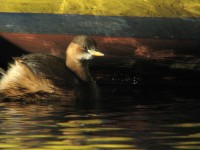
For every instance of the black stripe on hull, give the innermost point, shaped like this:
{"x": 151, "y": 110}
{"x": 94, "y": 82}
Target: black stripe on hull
{"x": 112, "y": 26}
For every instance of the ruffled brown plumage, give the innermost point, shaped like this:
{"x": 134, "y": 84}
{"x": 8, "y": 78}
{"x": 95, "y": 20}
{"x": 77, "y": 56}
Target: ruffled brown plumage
{"x": 42, "y": 77}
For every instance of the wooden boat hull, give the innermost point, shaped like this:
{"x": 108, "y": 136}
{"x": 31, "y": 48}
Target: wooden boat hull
{"x": 155, "y": 38}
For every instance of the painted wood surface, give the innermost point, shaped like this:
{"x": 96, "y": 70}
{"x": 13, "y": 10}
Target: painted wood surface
{"x": 157, "y": 40}
{"x": 138, "y": 27}
{"x": 141, "y": 8}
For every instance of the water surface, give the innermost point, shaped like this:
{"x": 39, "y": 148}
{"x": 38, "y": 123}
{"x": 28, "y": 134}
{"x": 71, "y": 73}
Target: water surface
{"x": 124, "y": 118}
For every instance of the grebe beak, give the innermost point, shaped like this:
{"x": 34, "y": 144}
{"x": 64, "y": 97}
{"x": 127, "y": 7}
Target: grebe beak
{"x": 95, "y": 53}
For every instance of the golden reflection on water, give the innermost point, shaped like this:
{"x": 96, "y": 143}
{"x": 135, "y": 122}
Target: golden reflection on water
{"x": 121, "y": 123}
{"x": 28, "y": 126}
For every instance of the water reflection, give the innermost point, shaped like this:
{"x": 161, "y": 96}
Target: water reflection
{"x": 124, "y": 119}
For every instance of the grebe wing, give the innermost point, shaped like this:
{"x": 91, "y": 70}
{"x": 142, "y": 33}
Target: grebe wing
{"x": 51, "y": 67}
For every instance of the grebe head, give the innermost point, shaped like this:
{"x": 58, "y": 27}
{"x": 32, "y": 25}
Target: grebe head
{"x": 78, "y": 53}
{"x": 82, "y": 48}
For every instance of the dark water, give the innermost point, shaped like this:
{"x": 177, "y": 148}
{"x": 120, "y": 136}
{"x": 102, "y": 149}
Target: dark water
{"x": 124, "y": 118}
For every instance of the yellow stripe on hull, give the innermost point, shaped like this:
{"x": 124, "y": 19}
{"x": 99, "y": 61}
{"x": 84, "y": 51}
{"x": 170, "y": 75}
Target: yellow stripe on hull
{"x": 140, "y": 8}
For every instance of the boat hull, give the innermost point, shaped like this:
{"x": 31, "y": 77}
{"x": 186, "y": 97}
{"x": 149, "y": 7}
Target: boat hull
{"x": 156, "y": 39}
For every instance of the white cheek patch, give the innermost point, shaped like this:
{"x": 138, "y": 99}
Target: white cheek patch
{"x": 85, "y": 56}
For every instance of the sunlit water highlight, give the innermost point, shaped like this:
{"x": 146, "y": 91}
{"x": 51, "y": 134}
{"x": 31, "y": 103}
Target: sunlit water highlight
{"x": 124, "y": 118}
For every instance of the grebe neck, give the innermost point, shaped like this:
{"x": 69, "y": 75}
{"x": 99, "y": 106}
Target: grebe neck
{"x": 79, "y": 67}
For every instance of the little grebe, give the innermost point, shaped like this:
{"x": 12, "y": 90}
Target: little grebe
{"x": 46, "y": 77}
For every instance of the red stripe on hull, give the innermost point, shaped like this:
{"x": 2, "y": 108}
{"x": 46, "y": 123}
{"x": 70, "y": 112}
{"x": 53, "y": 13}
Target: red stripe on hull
{"x": 116, "y": 46}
